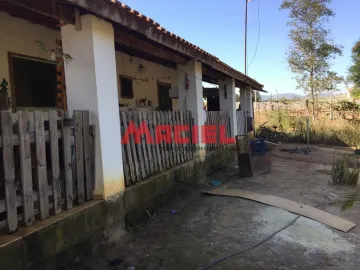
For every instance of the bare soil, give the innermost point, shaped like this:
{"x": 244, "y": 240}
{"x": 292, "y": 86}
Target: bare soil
{"x": 195, "y": 230}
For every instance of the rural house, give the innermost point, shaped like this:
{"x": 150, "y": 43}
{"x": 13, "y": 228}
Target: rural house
{"x": 109, "y": 65}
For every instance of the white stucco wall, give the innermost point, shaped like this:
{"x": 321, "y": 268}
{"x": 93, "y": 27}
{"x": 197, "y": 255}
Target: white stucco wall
{"x": 154, "y": 73}
{"x": 19, "y": 36}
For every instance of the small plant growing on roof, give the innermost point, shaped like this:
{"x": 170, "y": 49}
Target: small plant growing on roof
{"x": 54, "y": 53}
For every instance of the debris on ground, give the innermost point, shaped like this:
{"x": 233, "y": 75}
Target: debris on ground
{"x": 301, "y": 151}
{"x": 174, "y": 212}
{"x": 216, "y": 182}
{"x": 115, "y": 262}
{"x": 291, "y": 206}
{"x": 151, "y": 216}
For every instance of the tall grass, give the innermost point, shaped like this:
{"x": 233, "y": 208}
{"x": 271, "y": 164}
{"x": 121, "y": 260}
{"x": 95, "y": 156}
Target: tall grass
{"x": 339, "y": 132}
{"x": 342, "y": 174}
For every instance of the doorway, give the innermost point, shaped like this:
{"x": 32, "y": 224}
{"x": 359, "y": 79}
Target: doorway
{"x": 165, "y": 102}
{"x": 213, "y": 103}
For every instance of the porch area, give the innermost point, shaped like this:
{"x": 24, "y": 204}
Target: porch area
{"x": 100, "y": 119}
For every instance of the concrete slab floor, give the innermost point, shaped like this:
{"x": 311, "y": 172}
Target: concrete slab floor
{"x": 194, "y": 230}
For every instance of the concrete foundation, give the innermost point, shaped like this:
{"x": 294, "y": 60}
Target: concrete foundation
{"x": 51, "y": 244}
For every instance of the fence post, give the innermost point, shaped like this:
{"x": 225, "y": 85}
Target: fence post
{"x": 42, "y": 180}
{"x": 25, "y": 166}
{"x": 79, "y": 153}
{"x": 9, "y": 171}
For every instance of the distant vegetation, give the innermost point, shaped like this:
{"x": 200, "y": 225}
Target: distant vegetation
{"x": 354, "y": 71}
{"x": 312, "y": 49}
{"x": 289, "y": 115}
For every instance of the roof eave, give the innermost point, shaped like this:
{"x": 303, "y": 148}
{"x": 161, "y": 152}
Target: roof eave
{"x": 119, "y": 13}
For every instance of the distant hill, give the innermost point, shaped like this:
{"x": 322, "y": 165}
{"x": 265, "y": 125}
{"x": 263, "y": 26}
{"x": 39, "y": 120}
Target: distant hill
{"x": 282, "y": 96}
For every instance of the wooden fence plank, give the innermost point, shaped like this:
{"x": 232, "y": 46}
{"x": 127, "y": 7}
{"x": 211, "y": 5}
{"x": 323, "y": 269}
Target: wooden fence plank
{"x": 192, "y": 144}
{"x": 9, "y": 171}
{"x": 183, "y": 113}
{"x": 153, "y": 145}
{"x": 164, "y": 144}
{"x": 214, "y": 118}
{"x": 126, "y": 162}
{"x": 183, "y": 153}
{"x": 176, "y": 123}
{"x": 41, "y": 165}
{"x": 148, "y": 145}
{"x": 133, "y": 163}
{"x": 173, "y": 124}
{"x": 207, "y": 122}
{"x": 87, "y": 155}
{"x": 134, "y": 148}
{"x": 25, "y": 165}
{"x": 93, "y": 152}
{"x": 55, "y": 167}
{"x": 140, "y": 156}
{"x": 157, "y": 145}
{"x": 167, "y": 117}
{"x": 67, "y": 149}
{"x": 188, "y": 145}
{"x": 215, "y": 123}
{"x": 187, "y": 134}
{"x": 180, "y": 146}
{"x": 143, "y": 144}
{"x": 79, "y": 150}
{"x": 220, "y": 123}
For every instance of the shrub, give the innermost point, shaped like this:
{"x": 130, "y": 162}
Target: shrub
{"x": 341, "y": 174}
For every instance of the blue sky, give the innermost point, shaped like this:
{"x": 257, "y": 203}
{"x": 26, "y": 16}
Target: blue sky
{"x": 218, "y": 27}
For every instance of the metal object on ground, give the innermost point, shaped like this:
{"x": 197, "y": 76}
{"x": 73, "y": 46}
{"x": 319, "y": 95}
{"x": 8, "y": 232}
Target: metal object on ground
{"x": 252, "y": 158}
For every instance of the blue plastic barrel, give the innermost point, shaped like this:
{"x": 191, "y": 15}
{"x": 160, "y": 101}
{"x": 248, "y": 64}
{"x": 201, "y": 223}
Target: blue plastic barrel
{"x": 258, "y": 147}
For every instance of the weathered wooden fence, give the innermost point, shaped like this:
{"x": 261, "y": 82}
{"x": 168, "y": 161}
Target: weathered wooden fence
{"x": 143, "y": 159}
{"x": 217, "y": 119}
{"x": 240, "y": 120}
{"x": 46, "y": 166}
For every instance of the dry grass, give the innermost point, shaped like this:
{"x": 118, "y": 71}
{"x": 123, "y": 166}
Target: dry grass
{"x": 338, "y": 132}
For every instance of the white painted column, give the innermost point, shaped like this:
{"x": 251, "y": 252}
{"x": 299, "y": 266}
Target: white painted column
{"x": 192, "y": 99}
{"x": 91, "y": 84}
{"x": 246, "y": 107}
{"x": 246, "y": 100}
{"x": 227, "y": 97}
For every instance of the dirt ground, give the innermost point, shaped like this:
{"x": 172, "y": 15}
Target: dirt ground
{"x": 194, "y": 230}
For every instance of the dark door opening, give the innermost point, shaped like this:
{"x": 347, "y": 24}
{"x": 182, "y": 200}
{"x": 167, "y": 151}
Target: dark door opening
{"x": 35, "y": 83}
{"x": 165, "y": 102}
{"x": 213, "y": 103}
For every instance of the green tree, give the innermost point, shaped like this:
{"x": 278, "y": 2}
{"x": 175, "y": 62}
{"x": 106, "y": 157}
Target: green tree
{"x": 354, "y": 70}
{"x": 355, "y": 93}
{"x": 311, "y": 50}
{"x": 331, "y": 81}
